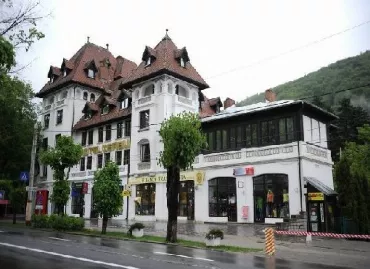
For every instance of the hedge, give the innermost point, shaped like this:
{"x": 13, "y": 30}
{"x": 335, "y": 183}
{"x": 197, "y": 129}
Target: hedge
{"x": 58, "y": 222}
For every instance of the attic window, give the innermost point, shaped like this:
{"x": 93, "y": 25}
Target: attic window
{"x": 91, "y": 73}
{"x": 182, "y": 62}
{"x": 85, "y": 95}
{"x": 88, "y": 115}
{"x": 105, "y": 109}
{"x": 92, "y": 97}
{"x": 53, "y": 78}
{"x": 148, "y": 61}
{"x": 124, "y": 103}
{"x": 64, "y": 72}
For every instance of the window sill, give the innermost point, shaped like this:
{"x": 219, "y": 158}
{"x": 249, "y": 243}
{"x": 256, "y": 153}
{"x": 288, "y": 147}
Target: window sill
{"x": 143, "y": 129}
{"x": 58, "y": 123}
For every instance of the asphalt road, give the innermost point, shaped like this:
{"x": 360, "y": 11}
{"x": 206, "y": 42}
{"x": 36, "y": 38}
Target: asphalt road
{"x": 30, "y": 249}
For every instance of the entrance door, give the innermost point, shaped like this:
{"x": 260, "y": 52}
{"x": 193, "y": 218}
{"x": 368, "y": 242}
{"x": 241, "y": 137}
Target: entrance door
{"x": 186, "y": 200}
{"x": 316, "y": 217}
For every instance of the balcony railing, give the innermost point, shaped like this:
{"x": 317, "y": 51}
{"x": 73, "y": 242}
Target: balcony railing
{"x": 143, "y": 166}
{"x": 144, "y": 100}
{"x": 223, "y": 157}
{"x": 47, "y": 107}
{"x": 184, "y": 100}
{"x": 61, "y": 102}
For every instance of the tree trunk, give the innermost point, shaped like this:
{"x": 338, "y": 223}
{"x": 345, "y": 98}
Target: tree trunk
{"x": 105, "y": 224}
{"x": 173, "y": 188}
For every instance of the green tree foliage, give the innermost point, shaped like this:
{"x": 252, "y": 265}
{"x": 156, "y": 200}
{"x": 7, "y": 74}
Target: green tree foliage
{"x": 183, "y": 140}
{"x": 107, "y": 193}
{"x": 7, "y": 55}
{"x": 352, "y": 176}
{"x": 344, "y": 74}
{"x": 17, "y": 199}
{"x": 65, "y": 155}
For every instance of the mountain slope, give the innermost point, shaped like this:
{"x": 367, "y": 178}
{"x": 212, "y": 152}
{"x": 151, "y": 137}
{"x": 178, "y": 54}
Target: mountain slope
{"x": 344, "y": 74}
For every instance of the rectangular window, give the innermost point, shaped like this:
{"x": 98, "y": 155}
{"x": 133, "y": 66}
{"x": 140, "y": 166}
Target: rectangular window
{"x": 106, "y": 158}
{"x": 224, "y": 140}
{"x": 272, "y": 132}
{"x": 126, "y": 159}
{"x": 119, "y": 129}
{"x": 46, "y": 121}
{"x": 44, "y": 170}
{"x": 90, "y": 73}
{"x": 145, "y": 193}
{"x": 290, "y": 129}
{"x": 108, "y": 132}
{"x": 100, "y": 134}
{"x": 124, "y": 103}
{"x": 82, "y": 164}
{"x": 254, "y": 128}
{"x": 59, "y": 116}
{"x": 89, "y": 163}
{"x": 239, "y": 138}
{"x": 218, "y": 140}
{"x": 45, "y": 143}
{"x": 56, "y": 138}
{"x": 118, "y": 157}
{"x": 127, "y": 128}
{"x": 232, "y": 139}
{"x": 145, "y": 153}
{"x": 265, "y": 133}
{"x": 83, "y": 138}
{"x": 211, "y": 141}
{"x": 251, "y": 135}
{"x": 286, "y": 130}
{"x": 100, "y": 161}
{"x": 91, "y": 137}
{"x": 144, "y": 119}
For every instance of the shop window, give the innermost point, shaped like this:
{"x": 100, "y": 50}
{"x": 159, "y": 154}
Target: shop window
{"x": 119, "y": 129}
{"x": 222, "y": 198}
{"x": 46, "y": 120}
{"x": 271, "y": 196}
{"x": 108, "y": 132}
{"x": 91, "y": 137}
{"x": 144, "y": 119}
{"x": 119, "y": 157}
{"x": 89, "y": 163}
{"x": 83, "y": 138}
{"x": 59, "y": 116}
{"x": 77, "y": 205}
{"x": 145, "y": 199}
{"x": 100, "y": 161}
{"x": 127, "y": 128}
{"x": 126, "y": 158}
{"x": 186, "y": 199}
{"x": 82, "y": 164}
{"x": 100, "y": 134}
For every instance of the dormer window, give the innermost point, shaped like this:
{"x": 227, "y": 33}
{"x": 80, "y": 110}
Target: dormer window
{"x": 92, "y": 97}
{"x": 105, "y": 109}
{"x": 85, "y": 96}
{"x": 182, "y": 62}
{"x": 91, "y": 73}
{"x": 124, "y": 103}
{"x": 64, "y": 72}
{"x": 148, "y": 61}
{"x": 88, "y": 115}
{"x": 51, "y": 79}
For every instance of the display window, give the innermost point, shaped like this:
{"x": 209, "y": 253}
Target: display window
{"x": 145, "y": 199}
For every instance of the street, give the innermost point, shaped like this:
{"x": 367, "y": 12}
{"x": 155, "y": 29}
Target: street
{"x": 28, "y": 249}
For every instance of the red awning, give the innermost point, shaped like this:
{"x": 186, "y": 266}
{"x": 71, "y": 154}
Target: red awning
{"x": 4, "y": 202}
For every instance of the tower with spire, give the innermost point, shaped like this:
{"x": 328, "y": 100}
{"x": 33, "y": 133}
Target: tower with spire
{"x": 164, "y": 83}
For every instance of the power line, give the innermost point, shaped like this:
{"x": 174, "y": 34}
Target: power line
{"x": 289, "y": 51}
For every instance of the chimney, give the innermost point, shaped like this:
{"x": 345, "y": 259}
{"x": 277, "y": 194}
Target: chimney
{"x": 228, "y": 102}
{"x": 88, "y": 39}
{"x": 107, "y": 46}
{"x": 270, "y": 96}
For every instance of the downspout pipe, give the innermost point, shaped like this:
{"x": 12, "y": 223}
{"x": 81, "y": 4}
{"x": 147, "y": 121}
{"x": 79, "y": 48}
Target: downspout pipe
{"x": 300, "y": 137}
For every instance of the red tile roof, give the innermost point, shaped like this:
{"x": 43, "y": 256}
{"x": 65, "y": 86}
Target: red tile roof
{"x": 165, "y": 61}
{"x": 106, "y": 65}
{"x": 206, "y": 110}
{"x": 215, "y": 101}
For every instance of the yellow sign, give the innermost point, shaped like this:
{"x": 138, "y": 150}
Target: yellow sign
{"x": 196, "y": 176}
{"x": 126, "y": 193}
{"x": 315, "y": 196}
{"x": 118, "y": 145}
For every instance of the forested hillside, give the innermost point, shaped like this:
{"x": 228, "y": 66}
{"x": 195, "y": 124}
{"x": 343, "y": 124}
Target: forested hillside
{"x": 344, "y": 74}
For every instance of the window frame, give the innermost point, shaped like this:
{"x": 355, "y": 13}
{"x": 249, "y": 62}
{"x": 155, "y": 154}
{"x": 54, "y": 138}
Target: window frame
{"x": 83, "y": 138}
{"x": 145, "y": 156}
{"x": 100, "y": 134}
{"x": 90, "y": 73}
{"x": 107, "y": 155}
{"x": 126, "y": 156}
{"x": 99, "y": 161}
{"x": 108, "y": 132}
{"x": 143, "y": 122}
{"x": 127, "y": 132}
{"x": 118, "y": 157}
{"x": 47, "y": 120}
{"x": 89, "y": 163}
{"x": 151, "y": 190}
{"x": 59, "y": 117}
{"x": 82, "y": 164}
{"x": 119, "y": 130}
{"x": 90, "y": 140}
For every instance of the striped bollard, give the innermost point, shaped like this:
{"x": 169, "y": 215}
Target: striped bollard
{"x": 269, "y": 241}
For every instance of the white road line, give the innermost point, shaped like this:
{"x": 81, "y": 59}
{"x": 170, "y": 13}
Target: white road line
{"x": 183, "y": 256}
{"x": 68, "y": 256}
{"x": 2, "y": 231}
{"x": 61, "y": 239}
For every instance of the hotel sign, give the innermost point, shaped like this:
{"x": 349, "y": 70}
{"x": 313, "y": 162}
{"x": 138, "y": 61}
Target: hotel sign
{"x": 117, "y": 145}
{"x": 196, "y": 176}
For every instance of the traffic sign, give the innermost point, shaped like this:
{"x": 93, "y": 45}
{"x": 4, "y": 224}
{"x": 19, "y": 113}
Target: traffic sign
{"x": 28, "y": 188}
{"x": 24, "y": 176}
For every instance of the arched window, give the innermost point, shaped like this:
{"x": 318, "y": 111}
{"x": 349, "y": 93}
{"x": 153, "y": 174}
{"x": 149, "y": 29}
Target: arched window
{"x": 85, "y": 95}
{"x": 271, "y": 196}
{"x": 222, "y": 198}
{"x": 149, "y": 90}
{"x": 92, "y": 97}
{"x": 181, "y": 91}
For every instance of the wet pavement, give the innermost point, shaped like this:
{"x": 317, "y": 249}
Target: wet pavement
{"x": 26, "y": 249}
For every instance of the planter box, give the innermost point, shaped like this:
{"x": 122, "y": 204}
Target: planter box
{"x": 138, "y": 232}
{"x": 213, "y": 242}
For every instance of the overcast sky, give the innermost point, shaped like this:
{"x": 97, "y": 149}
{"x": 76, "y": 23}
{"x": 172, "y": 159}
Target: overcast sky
{"x": 219, "y": 35}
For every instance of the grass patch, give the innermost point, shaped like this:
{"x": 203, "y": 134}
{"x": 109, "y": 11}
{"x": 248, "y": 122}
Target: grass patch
{"x": 159, "y": 239}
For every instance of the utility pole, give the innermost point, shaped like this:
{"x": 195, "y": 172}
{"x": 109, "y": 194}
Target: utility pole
{"x": 32, "y": 176}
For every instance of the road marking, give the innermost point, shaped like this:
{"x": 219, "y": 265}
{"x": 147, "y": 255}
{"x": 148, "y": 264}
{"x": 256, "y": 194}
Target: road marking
{"x": 68, "y": 256}
{"x": 61, "y": 239}
{"x": 2, "y": 231}
{"x": 183, "y": 256}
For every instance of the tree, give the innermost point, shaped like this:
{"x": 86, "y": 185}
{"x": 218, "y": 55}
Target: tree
{"x": 7, "y": 55}
{"x": 17, "y": 199}
{"x": 183, "y": 140}
{"x": 65, "y": 155}
{"x": 107, "y": 193}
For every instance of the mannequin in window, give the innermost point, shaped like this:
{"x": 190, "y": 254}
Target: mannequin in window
{"x": 259, "y": 207}
{"x": 286, "y": 203}
{"x": 270, "y": 202}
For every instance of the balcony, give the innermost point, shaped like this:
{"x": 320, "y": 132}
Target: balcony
{"x": 79, "y": 174}
{"x": 145, "y": 100}
{"x": 184, "y": 100}
{"x": 143, "y": 166}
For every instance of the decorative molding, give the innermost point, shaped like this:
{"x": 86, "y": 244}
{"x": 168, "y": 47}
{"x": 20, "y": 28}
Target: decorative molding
{"x": 143, "y": 166}
{"x": 184, "y": 100}
{"x": 144, "y": 100}
{"x": 316, "y": 151}
{"x": 270, "y": 151}
{"x": 47, "y": 107}
{"x": 223, "y": 157}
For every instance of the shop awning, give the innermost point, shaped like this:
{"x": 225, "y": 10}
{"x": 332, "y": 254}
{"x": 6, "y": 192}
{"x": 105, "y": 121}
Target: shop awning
{"x": 320, "y": 186}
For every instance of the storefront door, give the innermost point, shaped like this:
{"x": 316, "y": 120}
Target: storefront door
{"x": 316, "y": 217}
{"x": 186, "y": 199}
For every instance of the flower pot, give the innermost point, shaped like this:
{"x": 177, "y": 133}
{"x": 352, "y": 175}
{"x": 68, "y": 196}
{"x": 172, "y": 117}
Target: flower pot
{"x": 213, "y": 242}
{"x": 137, "y": 232}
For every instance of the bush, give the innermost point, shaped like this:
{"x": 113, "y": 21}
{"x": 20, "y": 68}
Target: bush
{"x": 134, "y": 226}
{"x": 215, "y": 233}
{"x": 58, "y": 222}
